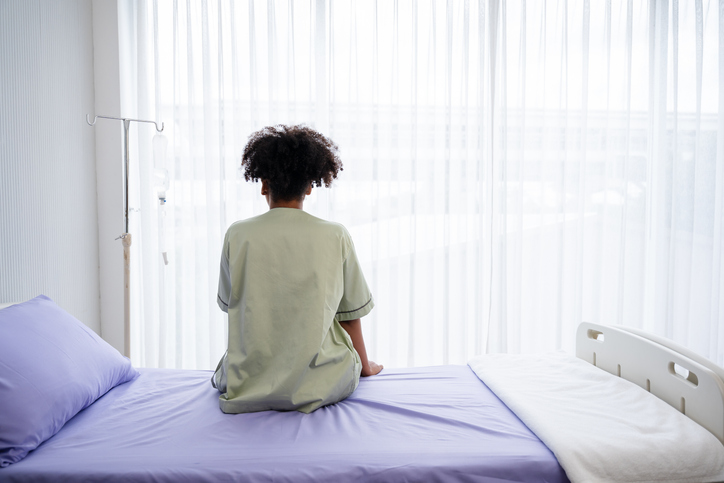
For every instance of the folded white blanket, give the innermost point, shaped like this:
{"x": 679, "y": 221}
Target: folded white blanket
{"x": 599, "y": 426}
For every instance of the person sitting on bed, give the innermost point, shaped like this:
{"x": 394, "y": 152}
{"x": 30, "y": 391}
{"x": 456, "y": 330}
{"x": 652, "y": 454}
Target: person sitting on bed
{"x": 291, "y": 285}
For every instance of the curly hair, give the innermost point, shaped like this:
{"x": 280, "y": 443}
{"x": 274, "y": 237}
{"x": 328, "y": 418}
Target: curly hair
{"x": 290, "y": 158}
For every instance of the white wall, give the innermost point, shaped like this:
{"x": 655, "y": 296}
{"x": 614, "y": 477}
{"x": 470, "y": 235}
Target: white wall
{"x": 48, "y": 214}
{"x": 109, "y": 156}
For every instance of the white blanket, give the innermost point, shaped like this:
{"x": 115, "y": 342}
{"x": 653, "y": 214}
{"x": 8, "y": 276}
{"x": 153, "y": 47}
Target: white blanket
{"x": 599, "y": 426}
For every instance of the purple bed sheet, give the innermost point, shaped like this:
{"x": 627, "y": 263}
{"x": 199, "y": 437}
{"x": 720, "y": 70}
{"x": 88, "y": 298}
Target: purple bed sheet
{"x": 419, "y": 424}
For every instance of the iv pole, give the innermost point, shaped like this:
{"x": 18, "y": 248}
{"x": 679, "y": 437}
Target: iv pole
{"x": 125, "y": 236}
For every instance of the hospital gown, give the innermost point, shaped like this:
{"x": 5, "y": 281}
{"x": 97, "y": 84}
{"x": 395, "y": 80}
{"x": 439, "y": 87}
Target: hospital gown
{"x": 287, "y": 279}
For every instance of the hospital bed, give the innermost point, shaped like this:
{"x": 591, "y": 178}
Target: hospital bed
{"x": 479, "y": 422}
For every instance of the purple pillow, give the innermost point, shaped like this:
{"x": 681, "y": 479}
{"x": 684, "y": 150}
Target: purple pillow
{"x": 51, "y": 367}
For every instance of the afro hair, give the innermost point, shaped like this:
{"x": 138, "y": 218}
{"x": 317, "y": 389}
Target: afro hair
{"x": 290, "y": 158}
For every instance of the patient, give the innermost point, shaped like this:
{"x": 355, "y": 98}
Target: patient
{"x": 292, "y": 286}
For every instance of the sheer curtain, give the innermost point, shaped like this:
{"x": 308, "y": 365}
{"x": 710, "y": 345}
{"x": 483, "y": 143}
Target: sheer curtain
{"x": 511, "y": 168}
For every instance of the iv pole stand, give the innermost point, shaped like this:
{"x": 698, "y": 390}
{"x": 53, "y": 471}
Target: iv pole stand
{"x": 125, "y": 236}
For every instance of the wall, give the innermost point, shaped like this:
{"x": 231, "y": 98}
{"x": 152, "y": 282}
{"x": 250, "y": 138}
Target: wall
{"x": 109, "y": 158}
{"x": 48, "y": 213}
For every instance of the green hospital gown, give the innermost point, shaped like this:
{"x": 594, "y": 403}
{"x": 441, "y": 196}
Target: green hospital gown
{"x": 287, "y": 279}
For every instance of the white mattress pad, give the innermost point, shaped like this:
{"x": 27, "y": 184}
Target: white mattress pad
{"x": 599, "y": 426}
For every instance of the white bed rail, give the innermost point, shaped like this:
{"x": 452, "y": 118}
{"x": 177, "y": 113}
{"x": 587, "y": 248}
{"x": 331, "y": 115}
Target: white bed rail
{"x": 689, "y": 386}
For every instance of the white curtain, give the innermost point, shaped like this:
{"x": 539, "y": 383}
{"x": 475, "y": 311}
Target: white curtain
{"x": 511, "y": 168}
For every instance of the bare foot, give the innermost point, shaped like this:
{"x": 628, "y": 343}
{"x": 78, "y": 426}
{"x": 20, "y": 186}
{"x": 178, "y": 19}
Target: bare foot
{"x": 373, "y": 369}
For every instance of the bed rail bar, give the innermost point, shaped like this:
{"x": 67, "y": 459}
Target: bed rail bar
{"x": 691, "y": 386}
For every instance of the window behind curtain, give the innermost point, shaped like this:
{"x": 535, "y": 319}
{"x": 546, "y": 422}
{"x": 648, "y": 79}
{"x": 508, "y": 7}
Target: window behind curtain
{"x": 510, "y": 168}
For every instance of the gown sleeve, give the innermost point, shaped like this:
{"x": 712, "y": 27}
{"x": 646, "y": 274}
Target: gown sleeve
{"x": 224, "y": 292}
{"x": 357, "y": 299}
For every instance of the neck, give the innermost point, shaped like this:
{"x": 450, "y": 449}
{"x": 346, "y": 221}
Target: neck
{"x": 297, "y": 204}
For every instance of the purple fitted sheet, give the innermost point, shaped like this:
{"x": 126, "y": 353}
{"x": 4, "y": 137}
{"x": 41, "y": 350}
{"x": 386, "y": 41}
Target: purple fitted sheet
{"x": 419, "y": 424}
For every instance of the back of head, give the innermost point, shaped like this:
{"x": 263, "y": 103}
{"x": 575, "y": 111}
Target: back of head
{"x": 290, "y": 158}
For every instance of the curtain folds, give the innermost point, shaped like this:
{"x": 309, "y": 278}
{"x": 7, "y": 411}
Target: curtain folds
{"x": 511, "y": 168}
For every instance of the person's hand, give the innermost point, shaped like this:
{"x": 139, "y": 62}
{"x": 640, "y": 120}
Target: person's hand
{"x": 372, "y": 369}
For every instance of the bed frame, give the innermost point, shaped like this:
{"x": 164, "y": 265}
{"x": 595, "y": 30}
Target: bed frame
{"x": 686, "y": 381}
